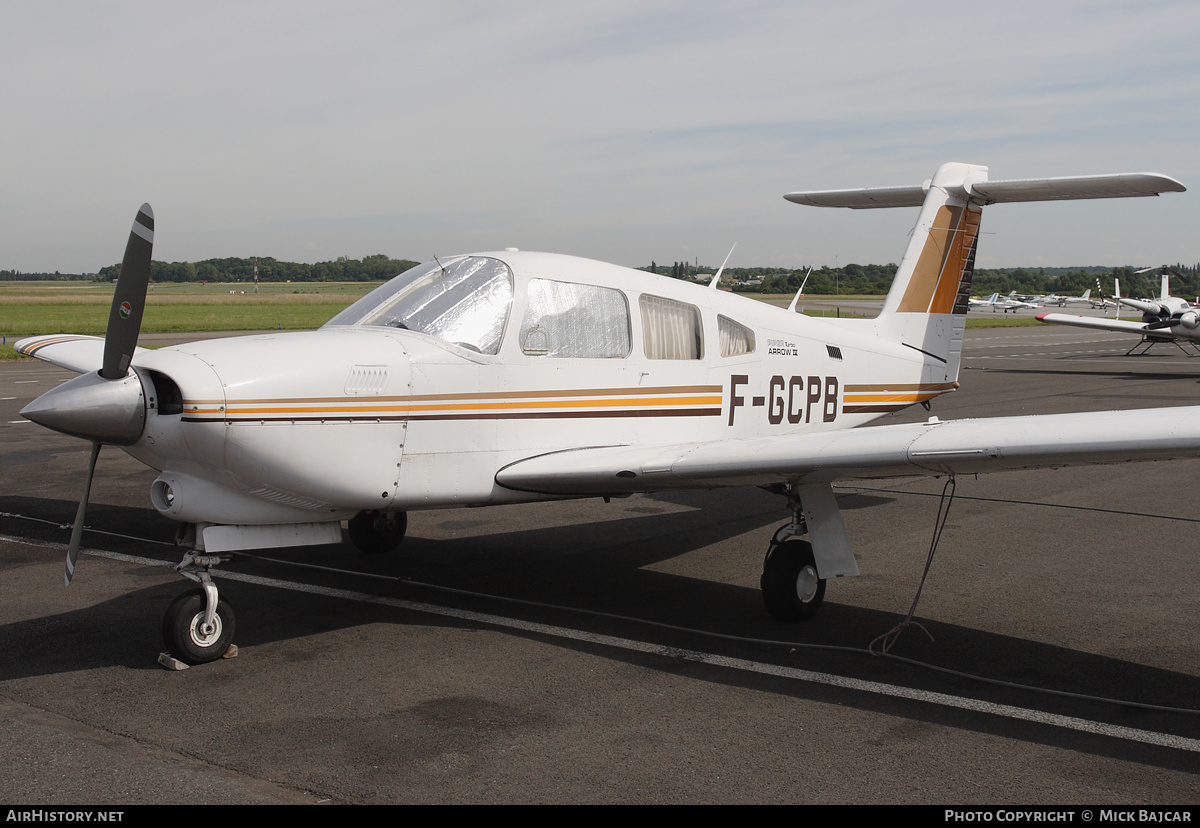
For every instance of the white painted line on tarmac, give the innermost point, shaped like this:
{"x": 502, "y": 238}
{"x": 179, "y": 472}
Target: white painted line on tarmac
{"x": 826, "y": 679}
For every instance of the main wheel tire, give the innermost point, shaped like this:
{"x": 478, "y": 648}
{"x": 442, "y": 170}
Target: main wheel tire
{"x": 791, "y": 587}
{"x": 378, "y": 531}
{"x": 184, "y": 633}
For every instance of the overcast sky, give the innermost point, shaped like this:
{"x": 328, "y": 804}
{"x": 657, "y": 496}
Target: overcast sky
{"x": 623, "y": 131}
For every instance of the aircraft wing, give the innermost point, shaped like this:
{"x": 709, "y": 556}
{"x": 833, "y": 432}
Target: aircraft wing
{"x": 934, "y": 448}
{"x": 74, "y": 352}
{"x": 1121, "y": 326}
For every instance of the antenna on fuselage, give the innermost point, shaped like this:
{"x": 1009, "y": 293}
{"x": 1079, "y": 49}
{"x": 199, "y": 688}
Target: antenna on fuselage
{"x": 721, "y": 269}
{"x": 800, "y": 292}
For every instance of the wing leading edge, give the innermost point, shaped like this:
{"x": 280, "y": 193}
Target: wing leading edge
{"x": 1095, "y": 323}
{"x": 969, "y": 446}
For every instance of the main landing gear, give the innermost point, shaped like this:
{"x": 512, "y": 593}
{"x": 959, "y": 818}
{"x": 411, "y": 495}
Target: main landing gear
{"x": 372, "y": 531}
{"x": 792, "y": 588}
{"x": 795, "y": 570}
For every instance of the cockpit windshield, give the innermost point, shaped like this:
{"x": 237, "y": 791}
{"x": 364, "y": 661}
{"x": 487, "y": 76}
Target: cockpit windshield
{"x": 464, "y": 301}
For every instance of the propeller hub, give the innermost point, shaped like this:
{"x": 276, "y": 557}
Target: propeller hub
{"x": 94, "y": 408}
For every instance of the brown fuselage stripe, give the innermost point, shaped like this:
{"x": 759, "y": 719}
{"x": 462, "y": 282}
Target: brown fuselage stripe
{"x": 916, "y": 386}
{"x": 508, "y": 415}
{"x": 368, "y": 408}
{"x": 873, "y": 409}
{"x": 497, "y": 395}
{"x": 866, "y": 398}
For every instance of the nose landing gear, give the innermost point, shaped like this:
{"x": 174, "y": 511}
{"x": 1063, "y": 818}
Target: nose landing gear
{"x": 190, "y": 635}
{"x": 198, "y": 626}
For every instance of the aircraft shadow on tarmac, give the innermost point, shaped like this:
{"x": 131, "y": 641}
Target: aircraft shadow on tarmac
{"x": 603, "y": 567}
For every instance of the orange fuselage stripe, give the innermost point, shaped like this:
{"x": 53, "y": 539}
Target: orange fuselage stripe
{"x": 235, "y": 408}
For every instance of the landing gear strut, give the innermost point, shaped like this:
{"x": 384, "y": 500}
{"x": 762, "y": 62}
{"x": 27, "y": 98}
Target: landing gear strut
{"x": 792, "y": 584}
{"x": 198, "y": 626}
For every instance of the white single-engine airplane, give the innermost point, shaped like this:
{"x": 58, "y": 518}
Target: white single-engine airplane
{"x": 511, "y": 377}
{"x": 1004, "y": 303}
{"x": 1063, "y": 301}
{"x": 1165, "y": 319}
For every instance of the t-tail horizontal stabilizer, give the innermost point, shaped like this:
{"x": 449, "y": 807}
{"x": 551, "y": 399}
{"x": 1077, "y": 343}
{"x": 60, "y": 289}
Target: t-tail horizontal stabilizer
{"x": 925, "y": 310}
{"x": 982, "y": 192}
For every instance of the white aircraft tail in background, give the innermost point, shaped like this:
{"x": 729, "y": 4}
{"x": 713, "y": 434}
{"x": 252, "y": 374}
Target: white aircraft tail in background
{"x": 1063, "y": 301}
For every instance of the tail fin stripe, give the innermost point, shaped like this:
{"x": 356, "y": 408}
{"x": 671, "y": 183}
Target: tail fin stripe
{"x": 924, "y": 281}
{"x": 956, "y": 262}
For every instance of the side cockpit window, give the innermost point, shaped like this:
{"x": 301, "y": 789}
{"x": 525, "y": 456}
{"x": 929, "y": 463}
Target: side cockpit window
{"x": 568, "y": 320}
{"x": 464, "y": 301}
{"x": 735, "y": 339}
{"x": 671, "y": 329}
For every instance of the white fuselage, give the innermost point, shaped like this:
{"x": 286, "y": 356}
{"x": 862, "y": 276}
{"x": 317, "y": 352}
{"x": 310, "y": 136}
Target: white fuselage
{"x": 316, "y": 426}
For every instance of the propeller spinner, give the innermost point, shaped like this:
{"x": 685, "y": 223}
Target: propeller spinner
{"x": 108, "y": 406}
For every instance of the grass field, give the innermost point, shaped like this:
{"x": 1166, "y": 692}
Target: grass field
{"x": 33, "y": 308}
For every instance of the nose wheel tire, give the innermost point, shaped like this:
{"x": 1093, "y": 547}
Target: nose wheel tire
{"x": 188, "y": 638}
{"x": 378, "y": 531}
{"x": 791, "y": 587}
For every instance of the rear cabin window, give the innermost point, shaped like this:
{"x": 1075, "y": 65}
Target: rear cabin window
{"x": 568, "y": 320}
{"x": 735, "y": 339}
{"x": 670, "y": 329}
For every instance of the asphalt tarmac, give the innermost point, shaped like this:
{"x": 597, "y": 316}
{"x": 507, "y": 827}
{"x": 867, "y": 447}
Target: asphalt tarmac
{"x": 585, "y": 652}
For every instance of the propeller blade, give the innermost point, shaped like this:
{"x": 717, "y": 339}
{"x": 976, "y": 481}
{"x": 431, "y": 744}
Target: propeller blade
{"x": 77, "y": 529}
{"x": 129, "y": 299}
{"x": 1162, "y": 323}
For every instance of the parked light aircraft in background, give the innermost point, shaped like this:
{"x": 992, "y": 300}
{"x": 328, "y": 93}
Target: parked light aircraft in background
{"x": 1063, "y": 301}
{"x": 511, "y": 376}
{"x": 1102, "y": 302}
{"x": 1165, "y": 319}
{"x": 996, "y": 302}
{"x": 1012, "y": 303}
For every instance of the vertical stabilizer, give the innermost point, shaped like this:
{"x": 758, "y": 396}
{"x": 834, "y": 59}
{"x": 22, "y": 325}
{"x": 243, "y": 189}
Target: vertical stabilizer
{"x": 926, "y": 308}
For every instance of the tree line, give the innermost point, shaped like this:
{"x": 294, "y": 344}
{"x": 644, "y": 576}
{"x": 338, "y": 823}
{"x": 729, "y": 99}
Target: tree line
{"x": 344, "y": 269}
{"x": 876, "y": 279}
{"x": 851, "y": 279}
